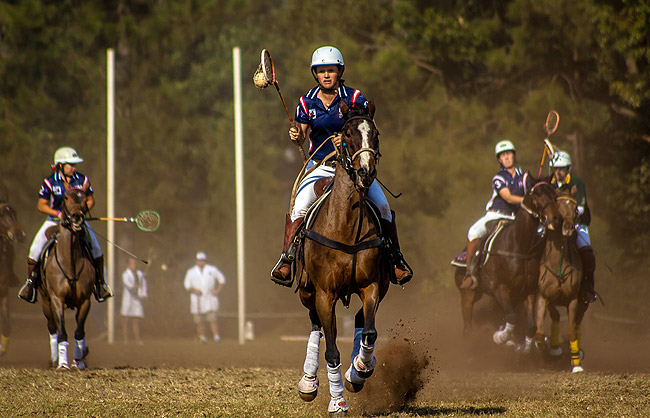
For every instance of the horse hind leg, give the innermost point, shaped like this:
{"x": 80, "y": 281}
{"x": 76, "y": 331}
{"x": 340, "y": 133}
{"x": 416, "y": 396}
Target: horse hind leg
{"x": 353, "y": 382}
{"x": 80, "y": 347}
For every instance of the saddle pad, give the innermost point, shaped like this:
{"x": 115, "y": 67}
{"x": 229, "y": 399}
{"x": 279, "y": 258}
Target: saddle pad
{"x": 487, "y": 245}
{"x": 461, "y": 259}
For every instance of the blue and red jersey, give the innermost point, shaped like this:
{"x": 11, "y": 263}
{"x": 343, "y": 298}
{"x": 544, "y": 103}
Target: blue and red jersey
{"x": 324, "y": 121}
{"x": 516, "y": 185}
{"x": 53, "y": 188}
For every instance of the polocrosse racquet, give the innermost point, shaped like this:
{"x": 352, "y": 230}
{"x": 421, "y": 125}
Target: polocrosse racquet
{"x": 264, "y": 77}
{"x": 146, "y": 220}
{"x": 552, "y": 122}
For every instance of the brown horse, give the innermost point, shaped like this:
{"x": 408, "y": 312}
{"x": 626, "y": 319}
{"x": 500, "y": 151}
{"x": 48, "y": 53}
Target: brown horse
{"x": 559, "y": 284}
{"x": 10, "y": 232}
{"x": 344, "y": 254}
{"x": 68, "y": 279}
{"x": 511, "y": 263}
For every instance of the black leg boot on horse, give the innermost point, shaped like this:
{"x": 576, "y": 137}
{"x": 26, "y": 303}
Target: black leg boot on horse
{"x": 28, "y": 291}
{"x": 588, "y": 267}
{"x": 101, "y": 291}
{"x": 471, "y": 281}
{"x": 402, "y": 271}
{"x": 281, "y": 273}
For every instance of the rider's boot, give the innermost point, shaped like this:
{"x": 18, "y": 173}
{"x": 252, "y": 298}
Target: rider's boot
{"x": 471, "y": 281}
{"x": 588, "y": 267}
{"x": 403, "y": 273}
{"x": 101, "y": 291}
{"x": 281, "y": 273}
{"x": 28, "y": 291}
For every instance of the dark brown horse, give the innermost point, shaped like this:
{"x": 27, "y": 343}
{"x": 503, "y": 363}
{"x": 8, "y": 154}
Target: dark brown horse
{"x": 511, "y": 266}
{"x": 68, "y": 280}
{"x": 343, "y": 254}
{"x": 559, "y": 283}
{"x": 10, "y": 232}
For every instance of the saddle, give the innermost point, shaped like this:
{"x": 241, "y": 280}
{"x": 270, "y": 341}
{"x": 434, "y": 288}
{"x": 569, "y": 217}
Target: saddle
{"x": 485, "y": 244}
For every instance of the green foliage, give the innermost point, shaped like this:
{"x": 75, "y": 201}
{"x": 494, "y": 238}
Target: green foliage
{"x": 450, "y": 78}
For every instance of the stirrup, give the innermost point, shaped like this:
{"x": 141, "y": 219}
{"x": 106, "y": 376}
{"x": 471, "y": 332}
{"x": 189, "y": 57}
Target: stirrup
{"x": 100, "y": 287}
{"x": 400, "y": 264}
{"x": 29, "y": 286}
{"x": 282, "y": 282}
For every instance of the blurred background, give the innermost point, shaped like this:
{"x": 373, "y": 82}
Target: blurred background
{"x": 449, "y": 79}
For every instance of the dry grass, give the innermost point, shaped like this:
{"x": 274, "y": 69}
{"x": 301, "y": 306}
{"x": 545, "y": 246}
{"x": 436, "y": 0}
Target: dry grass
{"x": 258, "y": 392}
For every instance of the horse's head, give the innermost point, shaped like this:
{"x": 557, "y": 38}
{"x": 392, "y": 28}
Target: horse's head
{"x": 567, "y": 206}
{"x": 541, "y": 199}
{"x": 9, "y": 226}
{"x": 360, "y": 144}
{"x": 74, "y": 206}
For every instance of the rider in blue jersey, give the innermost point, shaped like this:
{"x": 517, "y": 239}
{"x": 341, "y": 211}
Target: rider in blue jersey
{"x": 508, "y": 190}
{"x": 318, "y": 117}
{"x": 50, "y": 203}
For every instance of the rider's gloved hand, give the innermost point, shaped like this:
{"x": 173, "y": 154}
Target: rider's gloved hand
{"x": 296, "y": 135}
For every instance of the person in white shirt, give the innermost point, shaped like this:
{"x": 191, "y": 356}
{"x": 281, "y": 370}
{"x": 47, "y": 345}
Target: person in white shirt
{"x": 204, "y": 282}
{"x": 135, "y": 290}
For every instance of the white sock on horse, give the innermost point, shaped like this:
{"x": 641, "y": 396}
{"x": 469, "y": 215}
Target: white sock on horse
{"x": 63, "y": 354}
{"x": 311, "y": 359}
{"x": 336, "y": 382}
{"x": 79, "y": 348}
{"x": 365, "y": 353}
{"x": 54, "y": 348}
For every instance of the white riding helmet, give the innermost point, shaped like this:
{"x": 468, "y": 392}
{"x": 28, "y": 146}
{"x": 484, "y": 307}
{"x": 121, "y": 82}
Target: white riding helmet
{"x": 66, "y": 155}
{"x": 503, "y": 146}
{"x": 561, "y": 159}
{"x": 327, "y": 55}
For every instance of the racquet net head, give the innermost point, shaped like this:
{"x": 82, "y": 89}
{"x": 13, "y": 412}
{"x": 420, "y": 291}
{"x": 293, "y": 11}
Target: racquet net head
{"x": 552, "y": 122}
{"x": 148, "y": 220}
{"x": 267, "y": 66}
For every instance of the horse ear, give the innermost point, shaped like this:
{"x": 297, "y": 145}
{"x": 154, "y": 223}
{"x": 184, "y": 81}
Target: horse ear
{"x": 344, "y": 108}
{"x": 371, "y": 109}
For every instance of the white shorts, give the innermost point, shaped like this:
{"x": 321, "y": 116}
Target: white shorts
{"x": 478, "y": 230}
{"x": 306, "y": 196}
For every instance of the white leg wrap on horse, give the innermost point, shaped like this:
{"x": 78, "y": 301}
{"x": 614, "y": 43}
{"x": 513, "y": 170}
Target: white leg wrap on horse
{"x": 336, "y": 382}
{"x": 79, "y": 348}
{"x": 63, "y": 354}
{"x": 54, "y": 348}
{"x": 311, "y": 359}
{"x": 365, "y": 353}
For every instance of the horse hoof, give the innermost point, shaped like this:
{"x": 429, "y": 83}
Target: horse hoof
{"x": 78, "y": 364}
{"x": 63, "y": 366}
{"x": 500, "y": 337}
{"x": 308, "y": 388}
{"x": 364, "y": 370}
{"x": 577, "y": 369}
{"x": 338, "y": 407}
{"x": 352, "y": 382}
{"x": 555, "y": 351}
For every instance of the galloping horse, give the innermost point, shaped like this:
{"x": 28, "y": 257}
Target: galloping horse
{"x": 511, "y": 265}
{"x": 559, "y": 284}
{"x": 343, "y": 254}
{"x": 10, "y": 231}
{"x": 68, "y": 280}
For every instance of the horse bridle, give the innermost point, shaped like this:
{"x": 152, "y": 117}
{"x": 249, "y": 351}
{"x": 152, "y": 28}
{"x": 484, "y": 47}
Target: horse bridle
{"x": 344, "y": 157}
{"x": 541, "y": 211}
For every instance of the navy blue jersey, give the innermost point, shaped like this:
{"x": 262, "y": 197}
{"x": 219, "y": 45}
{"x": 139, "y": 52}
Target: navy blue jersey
{"x": 323, "y": 121}
{"x": 53, "y": 188}
{"x": 516, "y": 185}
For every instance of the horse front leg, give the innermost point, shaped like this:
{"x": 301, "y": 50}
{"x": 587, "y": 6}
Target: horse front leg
{"x": 555, "y": 349}
{"x": 502, "y": 294}
{"x": 58, "y": 311}
{"x": 325, "y": 307}
{"x": 52, "y": 329}
{"x": 576, "y": 361}
{"x": 308, "y": 384}
{"x": 80, "y": 347}
{"x": 365, "y": 362}
{"x": 540, "y": 314}
{"x": 5, "y": 326}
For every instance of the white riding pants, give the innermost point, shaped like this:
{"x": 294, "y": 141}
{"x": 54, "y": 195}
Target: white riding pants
{"x": 478, "y": 230}
{"x": 40, "y": 239}
{"x": 306, "y": 196}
